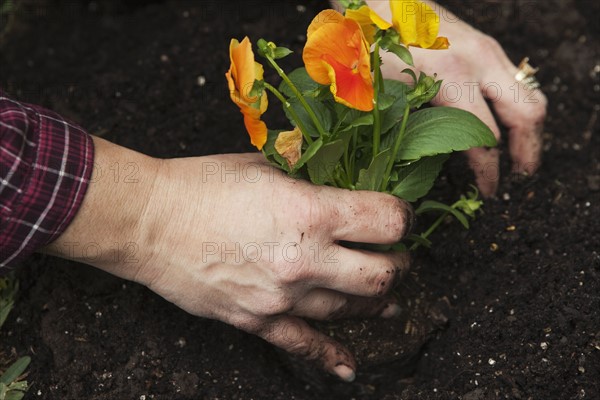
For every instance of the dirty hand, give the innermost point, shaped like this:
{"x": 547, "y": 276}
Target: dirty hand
{"x": 230, "y": 238}
{"x": 473, "y": 69}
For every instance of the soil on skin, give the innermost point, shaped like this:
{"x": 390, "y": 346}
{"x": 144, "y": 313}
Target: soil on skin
{"x": 524, "y": 319}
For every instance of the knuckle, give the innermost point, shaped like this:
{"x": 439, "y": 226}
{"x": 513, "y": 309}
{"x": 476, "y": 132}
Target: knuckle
{"x": 303, "y": 349}
{"x": 486, "y": 45}
{"x": 456, "y": 66}
{"x": 246, "y": 323}
{"x": 290, "y": 272}
{"x": 311, "y": 210}
{"x": 275, "y": 305}
{"x": 383, "y": 281}
{"x": 534, "y": 113}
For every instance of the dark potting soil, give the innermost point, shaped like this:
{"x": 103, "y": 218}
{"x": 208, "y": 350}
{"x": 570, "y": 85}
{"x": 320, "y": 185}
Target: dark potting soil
{"x": 522, "y": 285}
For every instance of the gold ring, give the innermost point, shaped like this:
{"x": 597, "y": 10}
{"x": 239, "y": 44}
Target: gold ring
{"x": 526, "y": 75}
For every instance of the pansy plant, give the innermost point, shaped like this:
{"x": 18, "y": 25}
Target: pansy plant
{"x": 350, "y": 127}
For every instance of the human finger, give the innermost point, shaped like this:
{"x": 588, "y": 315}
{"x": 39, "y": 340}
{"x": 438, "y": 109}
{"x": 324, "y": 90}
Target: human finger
{"x": 358, "y": 272}
{"x": 323, "y": 304}
{"x": 369, "y": 217}
{"x": 484, "y": 162}
{"x": 295, "y": 336}
{"x": 522, "y": 110}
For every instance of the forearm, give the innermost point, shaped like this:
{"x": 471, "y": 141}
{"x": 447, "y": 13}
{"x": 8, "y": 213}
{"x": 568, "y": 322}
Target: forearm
{"x": 108, "y": 228}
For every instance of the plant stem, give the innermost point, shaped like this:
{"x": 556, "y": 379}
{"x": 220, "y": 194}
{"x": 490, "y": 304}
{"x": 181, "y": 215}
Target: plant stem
{"x": 353, "y": 155}
{"x": 299, "y": 95}
{"x": 432, "y": 228}
{"x": 397, "y": 143}
{"x": 376, "y": 114}
{"x": 292, "y": 112}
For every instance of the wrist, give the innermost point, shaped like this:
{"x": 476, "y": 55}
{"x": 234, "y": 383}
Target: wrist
{"x": 108, "y": 230}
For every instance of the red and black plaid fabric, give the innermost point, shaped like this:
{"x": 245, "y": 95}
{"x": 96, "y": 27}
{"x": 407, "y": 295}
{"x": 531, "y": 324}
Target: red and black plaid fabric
{"x": 45, "y": 166}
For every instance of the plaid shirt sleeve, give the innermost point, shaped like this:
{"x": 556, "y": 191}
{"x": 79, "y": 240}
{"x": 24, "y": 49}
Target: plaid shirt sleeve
{"x": 46, "y": 164}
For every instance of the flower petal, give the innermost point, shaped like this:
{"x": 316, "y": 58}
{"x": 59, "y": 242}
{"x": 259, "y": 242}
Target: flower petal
{"x": 244, "y": 69}
{"x": 256, "y": 128}
{"x": 417, "y": 24}
{"x": 368, "y": 20}
{"x": 242, "y": 74}
{"x": 323, "y": 18}
{"x": 441, "y": 43}
{"x": 337, "y": 54}
{"x": 348, "y": 87}
{"x": 289, "y": 146}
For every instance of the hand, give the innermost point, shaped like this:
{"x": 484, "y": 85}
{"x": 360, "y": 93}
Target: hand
{"x": 230, "y": 238}
{"x": 473, "y": 69}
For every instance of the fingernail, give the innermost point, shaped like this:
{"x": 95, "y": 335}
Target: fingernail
{"x": 392, "y": 310}
{"x": 345, "y": 373}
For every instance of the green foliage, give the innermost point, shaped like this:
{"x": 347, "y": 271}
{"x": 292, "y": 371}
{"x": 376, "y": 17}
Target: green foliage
{"x": 8, "y": 289}
{"x": 416, "y": 179}
{"x": 321, "y": 110}
{"x": 308, "y": 154}
{"x": 303, "y": 83}
{"x": 443, "y": 130}
{"x": 396, "y": 148}
{"x": 431, "y": 206}
{"x": 323, "y": 165}
{"x": 6, "y": 7}
{"x": 352, "y": 4}
{"x": 271, "y": 50}
{"x": 372, "y": 177}
{"x": 7, "y": 12}
{"x": 10, "y": 387}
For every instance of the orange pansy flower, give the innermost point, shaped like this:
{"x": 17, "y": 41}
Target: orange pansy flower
{"x": 337, "y": 54}
{"x": 240, "y": 78}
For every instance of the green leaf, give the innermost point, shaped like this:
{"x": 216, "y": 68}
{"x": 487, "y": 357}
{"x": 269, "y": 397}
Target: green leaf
{"x": 430, "y": 206}
{"x": 442, "y": 130}
{"x": 400, "y": 247}
{"x": 385, "y": 101}
{"x": 416, "y": 180}
{"x": 14, "y": 395}
{"x": 5, "y": 310}
{"x": 15, "y": 370}
{"x": 322, "y": 166}
{"x": 396, "y": 88}
{"x": 352, "y": 4}
{"x": 8, "y": 289}
{"x": 372, "y": 177}
{"x": 281, "y": 52}
{"x": 323, "y": 113}
{"x": 424, "y": 92}
{"x": 412, "y": 74}
{"x": 271, "y": 154}
{"x": 303, "y": 82}
{"x": 392, "y": 115}
{"x": 308, "y": 154}
{"x": 6, "y": 7}
{"x": 402, "y": 52}
{"x": 21, "y": 385}
{"x": 362, "y": 120}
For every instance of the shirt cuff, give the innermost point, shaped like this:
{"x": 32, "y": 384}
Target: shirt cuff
{"x": 46, "y": 164}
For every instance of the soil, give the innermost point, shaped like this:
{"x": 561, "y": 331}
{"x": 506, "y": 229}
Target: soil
{"x": 521, "y": 286}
